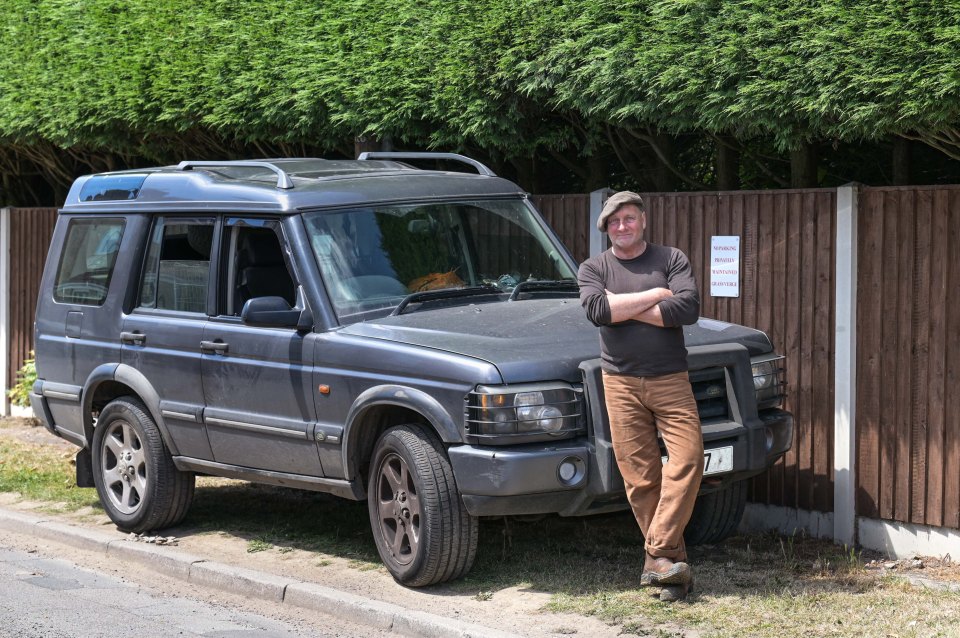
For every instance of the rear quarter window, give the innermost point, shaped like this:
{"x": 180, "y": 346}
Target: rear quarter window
{"x": 87, "y": 260}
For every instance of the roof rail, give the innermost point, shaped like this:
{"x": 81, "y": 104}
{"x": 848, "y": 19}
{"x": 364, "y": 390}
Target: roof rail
{"x": 283, "y": 180}
{"x": 375, "y": 155}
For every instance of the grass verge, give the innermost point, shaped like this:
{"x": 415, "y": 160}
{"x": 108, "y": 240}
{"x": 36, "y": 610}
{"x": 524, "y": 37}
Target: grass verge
{"x": 41, "y": 473}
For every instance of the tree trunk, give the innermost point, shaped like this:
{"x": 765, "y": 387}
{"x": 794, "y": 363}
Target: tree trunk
{"x": 803, "y": 166}
{"x": 526, "y": 172}
{"x": 364, "y": 144}
{"x": 727, "y": 164}
{"x": 664, "y": 179}
{"x": 598, "y": 176}
{"x": 901, "y": 161}
{"x": 5, "y": 198}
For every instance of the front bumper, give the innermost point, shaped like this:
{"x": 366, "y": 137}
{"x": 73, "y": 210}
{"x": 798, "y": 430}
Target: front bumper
{"x": 580, "y": 476}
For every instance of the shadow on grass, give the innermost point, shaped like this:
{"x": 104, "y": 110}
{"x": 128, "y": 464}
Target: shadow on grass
{"x": 297, "y": 519}
{"x": 568, "y": 556}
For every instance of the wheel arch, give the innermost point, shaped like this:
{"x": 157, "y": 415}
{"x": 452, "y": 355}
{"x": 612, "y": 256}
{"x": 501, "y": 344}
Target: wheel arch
{"x": 110, "y": 381}
{"x": 378, "y": 408}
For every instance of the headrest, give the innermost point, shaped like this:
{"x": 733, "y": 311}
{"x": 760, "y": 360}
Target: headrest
{"x": 261, "y": 248}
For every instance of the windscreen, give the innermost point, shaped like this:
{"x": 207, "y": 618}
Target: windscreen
{"x": 371, "y": 258}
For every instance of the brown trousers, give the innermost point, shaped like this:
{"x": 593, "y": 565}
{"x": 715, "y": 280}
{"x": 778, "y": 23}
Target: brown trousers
{"x": 662, "y": 496}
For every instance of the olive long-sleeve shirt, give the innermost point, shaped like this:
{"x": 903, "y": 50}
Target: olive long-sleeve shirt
{"x": 633, "y": 347}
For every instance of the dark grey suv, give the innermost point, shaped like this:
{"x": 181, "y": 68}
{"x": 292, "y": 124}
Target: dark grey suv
{"x": 364, "y": 328}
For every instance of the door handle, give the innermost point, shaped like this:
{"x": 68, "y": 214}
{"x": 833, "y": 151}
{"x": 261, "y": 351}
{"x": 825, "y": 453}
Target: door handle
{"x": 214, "y": 346}
{"x": 134, "y": 338}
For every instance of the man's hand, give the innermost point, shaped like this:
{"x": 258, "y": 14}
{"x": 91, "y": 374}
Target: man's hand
{"x": 641, "y": 306}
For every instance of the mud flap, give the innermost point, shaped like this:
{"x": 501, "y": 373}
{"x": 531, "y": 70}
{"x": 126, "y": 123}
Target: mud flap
{"x": 85, "y": 468}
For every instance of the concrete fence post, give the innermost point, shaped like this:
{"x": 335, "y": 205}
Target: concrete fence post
{"x": 598, "y": 241}
{"x": 845, "y": 369}
{"x": 5, "y": 383}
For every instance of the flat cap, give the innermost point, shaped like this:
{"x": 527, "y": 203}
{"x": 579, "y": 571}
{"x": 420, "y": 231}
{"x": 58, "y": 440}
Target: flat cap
{"x": 614, "y": 203}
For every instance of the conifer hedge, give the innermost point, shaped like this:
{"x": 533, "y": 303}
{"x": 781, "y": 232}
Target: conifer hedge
{"x": 116, "y": 81}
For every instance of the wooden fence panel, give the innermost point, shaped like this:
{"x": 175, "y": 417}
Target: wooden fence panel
{"x": 787, "y": 290}
{"x": 908, "y": 440}
{"x": 569, "y": 216}
{"x": 951, "y": 435}
{"x": 30, "y": 232}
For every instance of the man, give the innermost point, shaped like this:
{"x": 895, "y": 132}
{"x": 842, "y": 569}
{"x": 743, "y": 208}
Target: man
{"x": 641, "y": 294}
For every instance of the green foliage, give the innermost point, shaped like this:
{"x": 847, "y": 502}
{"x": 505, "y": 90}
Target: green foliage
{"x": 259, "y": 544}
{"x": 27, "y": 375}
{"x": 135, "y": 80}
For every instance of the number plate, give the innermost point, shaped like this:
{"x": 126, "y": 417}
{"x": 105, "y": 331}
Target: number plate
{"x": 715, "y": 460}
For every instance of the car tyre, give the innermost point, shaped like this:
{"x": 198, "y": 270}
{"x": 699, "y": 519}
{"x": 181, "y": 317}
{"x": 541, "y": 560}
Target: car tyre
{"x": 716, "y": 515}
{"x": 138, "y": 484}
{"x": 422, "y": 529}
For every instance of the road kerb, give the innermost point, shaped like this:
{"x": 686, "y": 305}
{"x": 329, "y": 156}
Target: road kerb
{"x": 88, "y": 539}
{"x": 239, "y": 580}
{"x": 20, "y": 523}
{"x": 247, "y": 582}
{"x": 395, "y": 618}
{"x": 374, "y": 613}
{"x": 166, "y": 560}
{"x": 424, "y": 625}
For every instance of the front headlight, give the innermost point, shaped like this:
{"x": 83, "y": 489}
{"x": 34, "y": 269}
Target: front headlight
{"x": 769, "y": 380}
{"x": 497, "y": 415}
{"x": 533, "y": 414}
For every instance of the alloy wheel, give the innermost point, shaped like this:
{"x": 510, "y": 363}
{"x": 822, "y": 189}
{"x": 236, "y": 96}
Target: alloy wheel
{"x": 123, "y": 467}
{"x": 399, "y": 508}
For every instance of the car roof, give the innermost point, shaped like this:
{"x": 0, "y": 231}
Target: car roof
{"x": 284, "y": 185}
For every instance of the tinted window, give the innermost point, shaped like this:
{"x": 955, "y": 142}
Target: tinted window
{"x": 111, "y": 187}
{"x": 86, "y": 265}
{"x": 177, "y": 266}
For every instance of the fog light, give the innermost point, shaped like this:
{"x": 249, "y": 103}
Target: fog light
{"x": 571, "y": 470}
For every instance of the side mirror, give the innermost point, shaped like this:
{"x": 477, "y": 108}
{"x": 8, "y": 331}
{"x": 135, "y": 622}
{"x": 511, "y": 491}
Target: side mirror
{"x": 275, "y": 312}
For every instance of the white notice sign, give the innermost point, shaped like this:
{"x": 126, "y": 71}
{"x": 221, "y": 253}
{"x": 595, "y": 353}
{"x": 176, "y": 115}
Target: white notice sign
{"x": 725, "y": 266}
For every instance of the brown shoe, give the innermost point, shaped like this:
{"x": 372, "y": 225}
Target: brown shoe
{"x": 661, "y": 572}
{"x": 675, "y": 593}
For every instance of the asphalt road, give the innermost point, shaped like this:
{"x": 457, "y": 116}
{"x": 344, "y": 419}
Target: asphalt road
{"x": 46, "y": 597}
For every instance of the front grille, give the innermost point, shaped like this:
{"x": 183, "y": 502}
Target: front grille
{"x": 710, "y": 391}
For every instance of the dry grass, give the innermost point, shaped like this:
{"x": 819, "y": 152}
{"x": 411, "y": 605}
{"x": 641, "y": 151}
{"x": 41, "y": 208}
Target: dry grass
{"x": 767, "y": 586}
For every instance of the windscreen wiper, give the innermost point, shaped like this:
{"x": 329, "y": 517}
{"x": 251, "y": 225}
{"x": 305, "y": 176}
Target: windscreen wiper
{"x": 446, "y": 293}
{"x": 559, "y": 285}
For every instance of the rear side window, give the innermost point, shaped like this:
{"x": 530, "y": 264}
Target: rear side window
{"x": 177, "y": 267}
{"x": 86, "y": 263}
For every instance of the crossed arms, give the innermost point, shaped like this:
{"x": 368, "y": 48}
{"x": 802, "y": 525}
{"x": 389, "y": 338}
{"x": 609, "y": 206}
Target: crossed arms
{"x": 639, "y": 306}
{"x": 676, "y": 305}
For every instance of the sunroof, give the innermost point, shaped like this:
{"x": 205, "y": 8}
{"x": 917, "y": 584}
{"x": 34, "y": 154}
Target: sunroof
{"x": 103, "y": 188}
